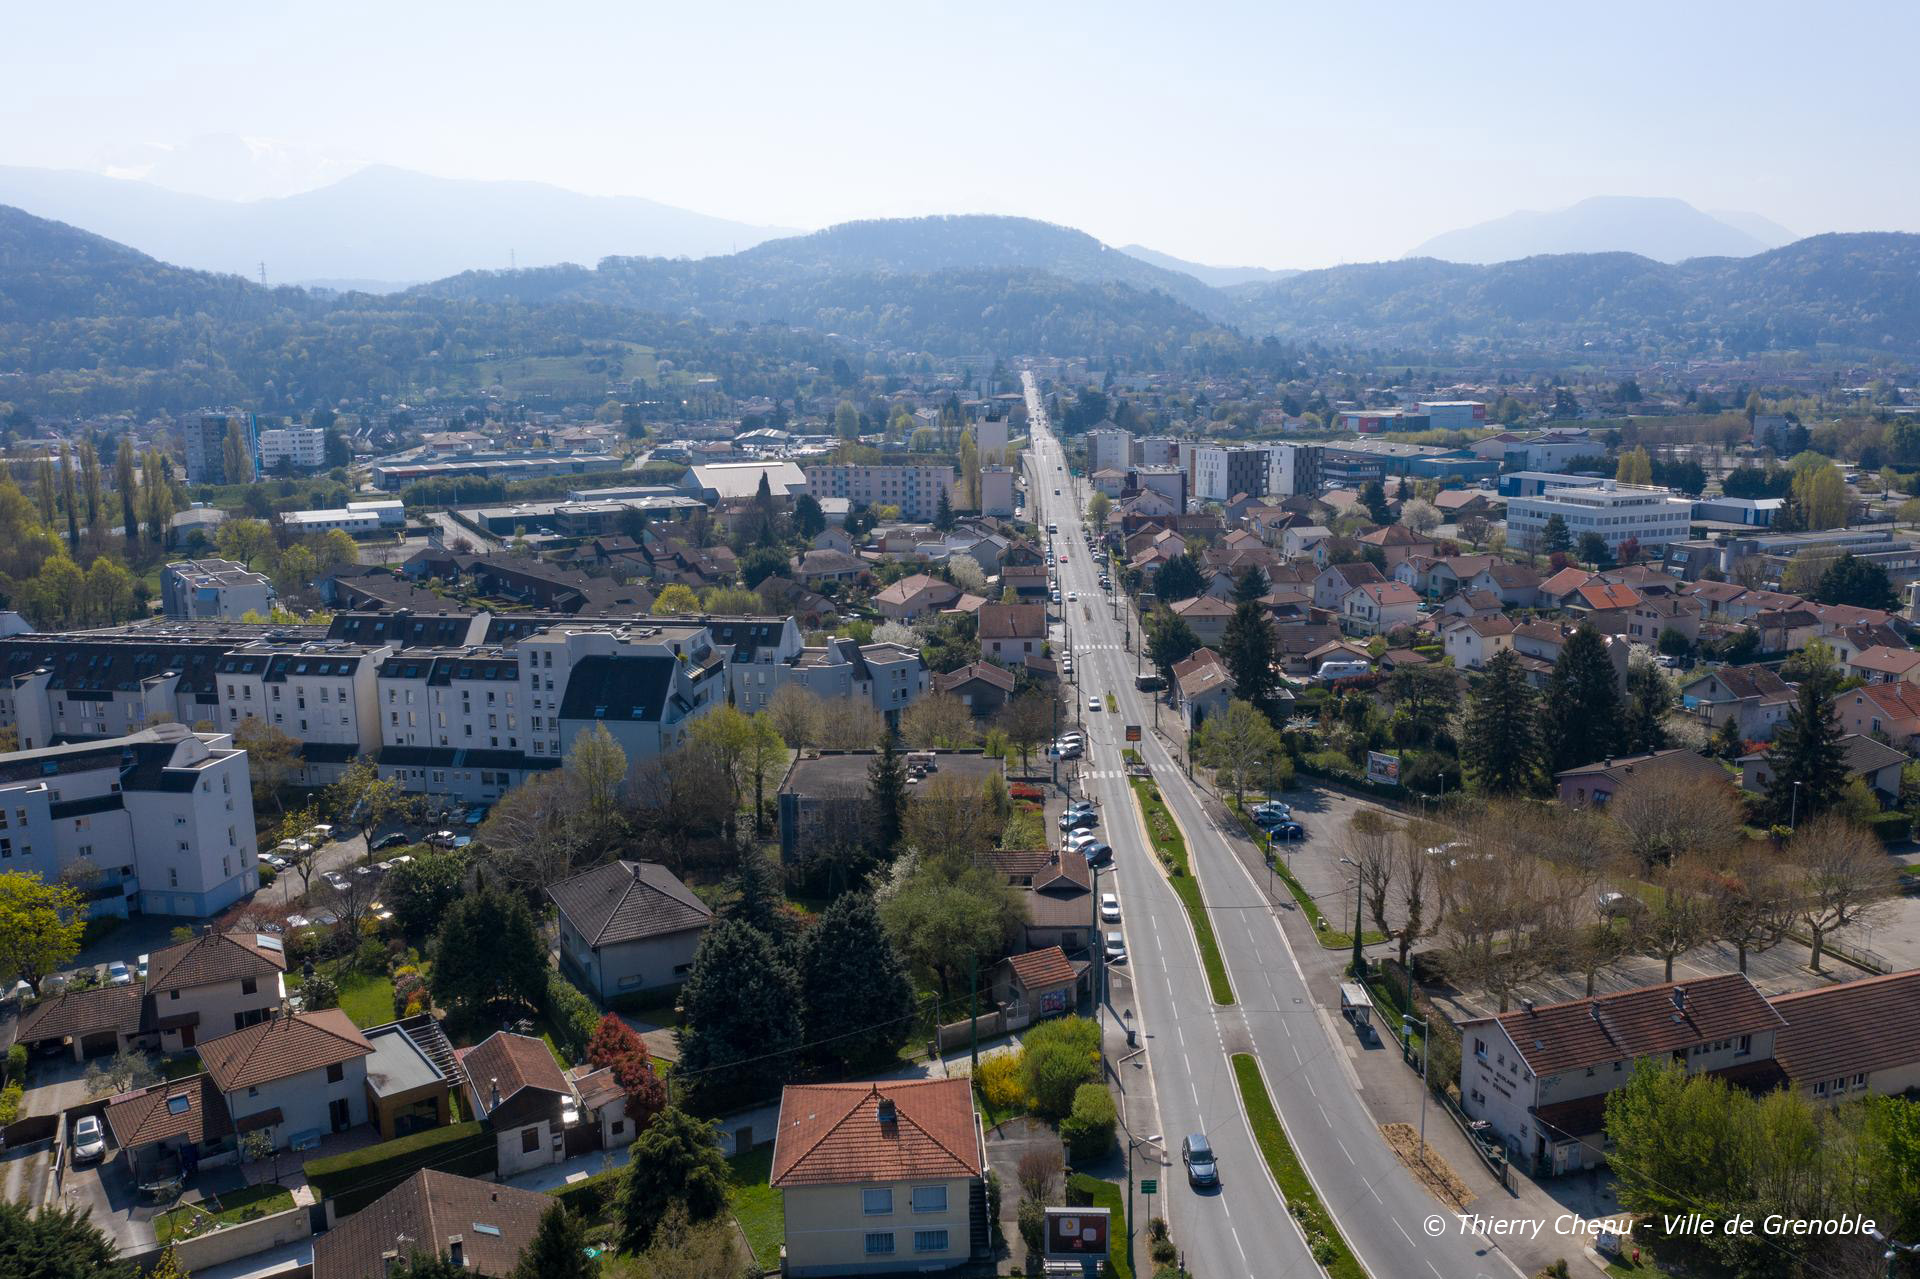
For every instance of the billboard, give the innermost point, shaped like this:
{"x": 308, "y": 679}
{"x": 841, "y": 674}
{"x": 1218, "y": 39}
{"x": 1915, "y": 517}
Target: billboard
{"x": 1133, "y": 732}
{"x": 1075, "y": 1234}
{"x": 1383, "y": 767}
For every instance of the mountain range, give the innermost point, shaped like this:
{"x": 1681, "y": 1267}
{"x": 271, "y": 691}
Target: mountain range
{"x": 1220, "y": 277}
{"x": 1666, "y": 230}
{"x": 378, "y": 228}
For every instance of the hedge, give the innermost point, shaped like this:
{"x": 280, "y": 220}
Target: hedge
{"x": 359, "y": 1177}
{"x": 1324, "y": 1240}
{"x": 591, "y": 1199}
{"x": 1892, "y": 827}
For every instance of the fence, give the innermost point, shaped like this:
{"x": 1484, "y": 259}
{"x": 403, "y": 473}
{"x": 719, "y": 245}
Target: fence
{"x": 1001, "y": 1021}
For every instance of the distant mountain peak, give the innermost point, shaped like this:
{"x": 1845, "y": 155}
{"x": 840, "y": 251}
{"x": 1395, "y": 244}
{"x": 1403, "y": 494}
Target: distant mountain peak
{"x": 1220, "y": 277}
{"x": 1662, "y": 228}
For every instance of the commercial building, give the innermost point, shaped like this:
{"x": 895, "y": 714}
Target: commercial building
{"x": 304, "y": 448}
{"x": 159, "y": 821}
{"x": 1373, "y": 421}
{"x": 354, "y": 517}
{"x": 529, "y": 465}
{"x": 1453, "y": 415}
{"x": 915, "y": 490}
{"x": 1645, "y": 514}
{"x": 205, "y": 590}
{"x": 737, "y": 481}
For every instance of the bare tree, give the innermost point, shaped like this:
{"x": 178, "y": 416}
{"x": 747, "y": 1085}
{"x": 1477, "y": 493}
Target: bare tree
{"x": 950, "y": 818}
{"x": 300, "y": 855}
{"x": 1493, "y": 936}
{"x": 937, "y": 720}
{"x": 796, "y": 715}
{"x": 1753, "y": 900}
{"x": 1681, "y": 918}
{"x": 1370, "y": 842}
{"x": 1842, "y": 876}
{"x": 1413, "y": 874}
{"x": 1027, "y": 720}
{"x": 1661, "y": 816}
{"x": 849, "y": 725}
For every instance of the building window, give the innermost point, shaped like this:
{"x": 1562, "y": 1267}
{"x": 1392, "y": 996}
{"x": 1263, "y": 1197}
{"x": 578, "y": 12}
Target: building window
{"x": 877, "y": 1203}
{"x": 929, "y": 1241}
{"x": 336, "y": 1072}
{"x": 930, "y": 1199}
{"x": 879, "y": 1243}
{"x": 529, "y": 1140}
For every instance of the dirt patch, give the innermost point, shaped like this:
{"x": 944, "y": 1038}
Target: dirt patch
{"x": 1432, "y": 1172}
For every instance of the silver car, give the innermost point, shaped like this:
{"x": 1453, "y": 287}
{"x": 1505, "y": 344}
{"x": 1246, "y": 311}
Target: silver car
{"x": 89, "y": 1139}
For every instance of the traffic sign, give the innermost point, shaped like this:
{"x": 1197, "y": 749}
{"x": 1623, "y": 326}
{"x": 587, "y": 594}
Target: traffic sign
{"x": 1149, "y": 1185}
{"x": 1133, "y": 732}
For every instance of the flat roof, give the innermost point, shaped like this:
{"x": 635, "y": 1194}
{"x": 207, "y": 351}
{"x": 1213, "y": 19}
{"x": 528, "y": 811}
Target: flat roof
{"x": 396, "y": 1064}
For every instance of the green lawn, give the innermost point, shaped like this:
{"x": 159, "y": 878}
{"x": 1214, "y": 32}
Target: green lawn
{"x": 1647, "y": 1268}
{"x": 180, "y": 1067}
{"x": 1167, "y": 840}
{"x": 366, "y": 999}
{"x": 229, "y": 1209}
{"x": 757, "y": 1206}
{"x": 1323, "y": 1237}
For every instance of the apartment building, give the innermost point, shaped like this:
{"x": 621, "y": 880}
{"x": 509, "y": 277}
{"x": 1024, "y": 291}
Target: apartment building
{"x": 1293, "y": 470}
{"x": 996, "y": 490}
{"x": 1646, "y": 514}
{"x": 915, "y": 490}
{"x": 1219, "y": 471}
{"x": 159, "y": 821}
{"x": 1109, "y": 448}
{"x": 319, "y": 693}
{"x": 304, "y": 448}
{"x": 204, "y": 590}
{"x": 206, "y": 442}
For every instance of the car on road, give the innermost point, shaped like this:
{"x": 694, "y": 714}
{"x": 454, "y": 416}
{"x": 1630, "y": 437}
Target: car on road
{"x": 1098, "y": 854}
{"x": 1110, "y": 908}
{"x": 1196, "y": 1152}
{"x": 118, "y": 974}
{"x": 1055, "y": 597}
{"x": 89, "y": 1139}
{"x": 1073, "y": 595}
{"x": 1066, "y": 749}
{"x": 1093, "y": 704}
{"x": 1116, "y": 949}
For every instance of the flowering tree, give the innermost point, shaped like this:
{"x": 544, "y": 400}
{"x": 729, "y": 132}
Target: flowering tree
{"x": 616, "y": 1047}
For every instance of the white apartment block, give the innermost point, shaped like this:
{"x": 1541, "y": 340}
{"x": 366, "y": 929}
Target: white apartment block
{"x": 302, "y": 447}
{"x": 354, "y": 517}
{"x": 159, "y": 821}
{"x": 1109, "y": 449}
{"x": 1650, "y": 515}
{"x": 200, "y": 590}
{"x": 1159, "y": 450}
{"x": 321, "y": 694}
{"x": 990, "y": 438}
{"x": 996, "y": 490}
{"x": 1220, "y": 471}
{"x": 763, "y": 654}
{"x": 1293, "y": 470}
{"x": 916, "y": 490}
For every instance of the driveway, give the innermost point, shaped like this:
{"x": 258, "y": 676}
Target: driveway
{"x": 107, "y": 1193}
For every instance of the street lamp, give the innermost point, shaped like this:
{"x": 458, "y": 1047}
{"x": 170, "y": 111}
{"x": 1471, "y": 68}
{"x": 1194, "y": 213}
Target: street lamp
{"x": 1407, "y": 1023}
{"x": 1893, "y": 1247}
{"x": 1793, "y": 810}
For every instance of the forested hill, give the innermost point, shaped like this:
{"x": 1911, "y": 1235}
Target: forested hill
{"x": 1860, "y": 292}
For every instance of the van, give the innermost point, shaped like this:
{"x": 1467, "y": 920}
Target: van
{"x": 1330, "y": 671}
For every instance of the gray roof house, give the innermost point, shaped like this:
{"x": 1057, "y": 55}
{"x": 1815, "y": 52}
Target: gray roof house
{"x": 628, "y": 928}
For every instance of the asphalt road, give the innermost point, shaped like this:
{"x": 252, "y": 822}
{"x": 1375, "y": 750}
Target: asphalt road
{"x": 1295, "y": 1030}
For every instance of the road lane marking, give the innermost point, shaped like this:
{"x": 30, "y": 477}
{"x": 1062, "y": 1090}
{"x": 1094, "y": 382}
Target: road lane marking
{"x": 1403, "y": 1231}
{"x": 1343, "y": 1147}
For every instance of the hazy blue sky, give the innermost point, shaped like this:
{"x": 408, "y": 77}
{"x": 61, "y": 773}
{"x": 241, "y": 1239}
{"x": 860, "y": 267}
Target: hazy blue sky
{"x": 1268, "y": 134}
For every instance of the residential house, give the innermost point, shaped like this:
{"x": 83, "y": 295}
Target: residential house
{"x": 1206, "y": 615}
{"x": 294, "y": 1076}
{"x": 1060, "y": 908}
{"x": 1204, "y": 688}
{"x": 1437, "y": 577}
{"x": 1890, "y": 712}
{"x": 1557, "y": 591}
{"x": 1785, "y": 630}
{"x": 1294, "y": 644}
{"x": 1336, "y": 581}
{"x": 1038, "y": 983}
{"x": 214, "y": 984}
{"x": 1882, "y": 665}
{"x": 886, "y": 1177}
{"x": 603, "y": 1104}
{"x": 1848, "y": 641}
{"x": 515, "y": 1086}
{"x": 1472, "y": 642}
{"x": 628, "y": 927}
{"x": 480, "y": 1227}
{"x": 825, "y": 800}
{"x": 1010, "y": 632}
{"x": 1754, "y": 696}
{"x": 411, "y": 1076}
{"x": 1335, "y": 650}
{"x": 915, "y": 596}
{"x": 1875, "y": 763}
{"x": 1597, "y": 784}
{"x": 1652, "y": 616}
{"x": 1516, "y": 585}
{"x": 1539, "y": 1076}
{"x": 815, "y": 567}
{"x": 155, "y": 1127}
{"x": 1597, "y": 595}
{"x": 1469, "y": 603}
{"x": 1856, "y": 1038}
{"x": 1397, "y": 542}
{"x": 1378, "y": 607}
{"x": 982, "y": 687}
{"x": 100, "y": 1020}
{"x": 1305, "y": 542}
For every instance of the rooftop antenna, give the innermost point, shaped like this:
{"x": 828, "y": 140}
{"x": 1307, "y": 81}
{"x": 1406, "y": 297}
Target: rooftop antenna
{"x": 263, "y": 273}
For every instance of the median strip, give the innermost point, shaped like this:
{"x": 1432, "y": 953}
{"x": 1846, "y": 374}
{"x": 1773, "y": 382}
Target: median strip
{"x": 1164, "y": 833}
{"x": 1324, "y": 1240}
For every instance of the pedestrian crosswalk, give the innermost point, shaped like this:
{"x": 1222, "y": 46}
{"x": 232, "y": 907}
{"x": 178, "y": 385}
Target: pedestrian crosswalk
{"x": 1098, "y": 648}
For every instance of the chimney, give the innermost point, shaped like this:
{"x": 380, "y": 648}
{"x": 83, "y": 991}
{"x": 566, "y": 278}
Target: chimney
{"x": 1680, "y": 999}
{"x": 886, "y": 1111}
{"x": 1527, "y": 1005}
{"x": 389, "y": 1261}
{"x": 494, "y": 1081}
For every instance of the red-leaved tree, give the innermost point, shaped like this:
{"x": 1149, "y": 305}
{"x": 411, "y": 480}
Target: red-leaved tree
{"x": 616, "y": 1047}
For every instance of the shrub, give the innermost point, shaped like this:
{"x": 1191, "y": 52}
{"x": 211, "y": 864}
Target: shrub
{"x": 1033, "y": 1224}
{"x": 1088, "y": 1131}
{"x": 16, "y": 1063}
{"x": 1163, "y": 1252}
{"x": 409, "y": 991}
{"x": 1892, "y": 827}
{"x": 10, "y": 1101}
{"x": 572, "y": 1014}
{"x": 1058, "y": 1057}
{"x": 998, "y": 1080}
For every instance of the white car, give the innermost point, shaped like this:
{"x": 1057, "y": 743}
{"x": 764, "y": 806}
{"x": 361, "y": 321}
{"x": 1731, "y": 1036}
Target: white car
{"x": 118, "y": 974}
{"x": 1093, "y": 704}
{"x": 1080, "y": 840}
{"x": 1110, "y": 908}
{"x": 89, "y": 1139}
{"x": 140, "y": 966}
{"x": 1073, "y": 595}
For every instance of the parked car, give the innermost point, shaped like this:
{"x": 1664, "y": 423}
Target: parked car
{"x": 1086, "y": 819}
{"x": 392, "y": 839}
{"x": 89, "y": 1139}
{"x": 1270, "y": 808}
{"x": 1081, "y": 840}
{"x": 340, "y": 882}
{"x": 1110, "y": 908}
{"x": 140, "y": 966}
{"x": 1196, "y": 1152}
{"x": 1116, "y": 949}
{"x": 1099, "y": 854}
{"x": 118, "y": 974}
{"x": 1284, "y": 831}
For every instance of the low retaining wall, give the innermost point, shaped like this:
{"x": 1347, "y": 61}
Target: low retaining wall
{"x": 230, "y": 1243}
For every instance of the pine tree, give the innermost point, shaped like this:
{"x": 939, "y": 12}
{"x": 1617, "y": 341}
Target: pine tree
{"x": 858, "y": 997}
{"x": 1806, "y": 756}
{"x": 742, "y": 1003}
{"x": 1643, "y": 729}
{"x": 759, "y": 899}
{"x": 1555, "y": 537}
{"x": 1250, "y": 586}
{"x": 558, "y": 1249}
{"x": 943, "y": 513}
{"x": 1727, "y": 742}
{"x": 1501, "y": 744}
{"x": 887, "y": 787}
{"x": 1248, "y": 651}
{"x": 1582, "y": 713}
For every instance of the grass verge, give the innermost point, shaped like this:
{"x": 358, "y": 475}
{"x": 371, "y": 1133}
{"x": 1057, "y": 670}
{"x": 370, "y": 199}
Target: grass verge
{"x": 756, "y": 1205}
{"x": 1323, "y": 1237}
{"x": 1171, "y": 845}
{"x": 1104, "y": 1194}
{"x": 234, "y": 1207}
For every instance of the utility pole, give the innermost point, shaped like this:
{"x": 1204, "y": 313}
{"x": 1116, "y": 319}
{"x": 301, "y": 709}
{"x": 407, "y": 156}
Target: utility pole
{"x": 973, "y": 1014}
{"x": 1407, "y": 1022}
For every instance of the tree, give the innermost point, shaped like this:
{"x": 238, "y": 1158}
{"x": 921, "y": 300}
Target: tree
{"x": 56, "y": 1243}
{"x": 1581, "y": 719}
{"x": 1413, "y": 873}
{"x": 967, "y": 573}
{"x": 245, "y": 540}
{"x": 364, "y": 800}
{"x": 1420, "y": 515}
{"x": 558, "y": 1249}
{"x": 948, "y": 916}
{"x": 808, "y": 519}
{"x": 123, "y": 484}
{"x": 683, "y": 1251}
{"x": 846, "y": 420}
{"x": 1806, "y": 764}
{"x": 742, "y": 1002}
{"x": 1248, "y": 650}
{"x": 795, "y": 714}
{"x": 1752, "y": 893}
{"x": 614, "y": 1046}
{"x": 1170, "y": 641}
{"x": 887, "y": 794}
{"x": 1680, "y": 917}
{"x": 1475, "y": 529}
{"x": 1373, "y": 496}
{"x": 1593, "y": 550}
{"x": 1370, "y": 844}
{"x": 108, "y": 592}
{"x": 1099, "y": 506}
{"x": 40, "y": 927}
{"x": 937, "y": 721}
{"x": 1643, "y": 729}
{"x": 1861, "y": 583}
{"x": 272, "y": 759}
{"x": 1841, "y": 876}
{"x": 69, "y": 502}
{"x": 1027, "y": 720}
{"x": 676, "y": 600}
{"x": 1668, "y": 815}
{"x": 1426, "y": 695}
{"x": 677, "y": 1160}
{"x": 858, "y": 998}
{"x": 1555, "y": 538}
{"x": 1179, "y": 578}
{"x": 421, "y": 891}
{"x": 1635, "y": 467}
{"x": 1501, "y": 743}
{"x": 943, "y": 512}
{"x": 1240, "y": 745}
{"x": 1059, "y": 1056}
{"x": 488, "y": 950}
{"x": 1819, "y": 492}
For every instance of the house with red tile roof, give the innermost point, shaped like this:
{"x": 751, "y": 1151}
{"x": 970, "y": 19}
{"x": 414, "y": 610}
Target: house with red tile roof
{"x": 1854, "y": 1038}
{"x": 1539, "y": 1075}
{"x": 515, "y": 1086}
{"x": 1375, "y": 608}
{"x": 1472, "y": 642}
{"x": 293, "y": 1076}
{"x": 887, "y": 1177}
{"x": 1559, "y": 588}
{"x": 1038, "y": 983}
{"x": 1880, "y": 664}
{"x": 1889, "y": 711}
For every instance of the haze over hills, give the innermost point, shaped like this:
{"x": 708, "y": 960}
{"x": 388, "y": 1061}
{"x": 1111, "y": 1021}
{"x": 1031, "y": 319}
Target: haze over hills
{"x": 379, "y": 226}
{"x": 1220, "y": 277}
{"x": 1666, "y": 230}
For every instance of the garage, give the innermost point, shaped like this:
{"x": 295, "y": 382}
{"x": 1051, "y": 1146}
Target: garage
{"x": 101, "y": 1043}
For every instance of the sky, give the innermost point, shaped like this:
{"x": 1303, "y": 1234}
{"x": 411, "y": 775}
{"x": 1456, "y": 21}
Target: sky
{"x": 1268, "y": 134}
